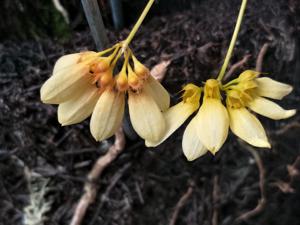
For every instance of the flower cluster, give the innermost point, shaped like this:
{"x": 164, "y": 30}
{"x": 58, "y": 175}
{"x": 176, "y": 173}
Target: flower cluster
{"x": 98, "y": 84}
{"x": 208, "y": 130}
{"x": 89, "y": 83}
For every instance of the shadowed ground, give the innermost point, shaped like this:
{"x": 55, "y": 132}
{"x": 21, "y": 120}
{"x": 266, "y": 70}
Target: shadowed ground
{"x": 150, "y": 182}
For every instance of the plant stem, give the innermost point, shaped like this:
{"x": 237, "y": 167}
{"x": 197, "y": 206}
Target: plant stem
{"x": 233, "y": 40}
{"x": 138, "y": 24}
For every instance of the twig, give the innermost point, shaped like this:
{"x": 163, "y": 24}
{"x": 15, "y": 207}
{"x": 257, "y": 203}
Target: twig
{"x": 262, "y": 202}
{"x": 90, "y": 189}
{"x": 112, "y": 184}
{"x": 293, "y": 169}
{"x": 215, "y": 198}
{"x": 261, "y": 56}
{"x": 294, "y": 172}
{"x": 205, "y": 47}
{"x": 236, "y": 66}
{"x": 287, "y": 127}
{"x": 182, "y": 201}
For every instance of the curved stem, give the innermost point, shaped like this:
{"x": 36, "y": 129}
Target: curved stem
{"x": 115, "y": 60}
{"x": 138, "y": 24}
{"x": 126, "y": 56}
{"x": 108, "y": 50}
{"x": 233, "y": 40}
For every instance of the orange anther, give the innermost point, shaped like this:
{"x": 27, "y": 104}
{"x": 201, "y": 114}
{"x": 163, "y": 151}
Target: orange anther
{"x": 93, "y": 68}
{"x": 134, "y": 82}
{"x": 122, "y": 82}
{"x": 106, "y": 80}
{"x": 140, "y": 69}
{"x": 102, "y": 66}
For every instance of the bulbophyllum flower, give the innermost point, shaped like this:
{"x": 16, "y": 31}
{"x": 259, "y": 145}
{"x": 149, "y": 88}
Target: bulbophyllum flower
{"x": 208, "y": 130}
{"x": 250, "y": 92}
{"x": 84, "y": 84}
{"x": 212, "y": 118}
{"x": 177, "y": 114}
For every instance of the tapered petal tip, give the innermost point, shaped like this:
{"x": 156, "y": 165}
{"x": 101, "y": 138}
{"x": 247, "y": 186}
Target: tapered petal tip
{"x": 213, "y": 123}
{"x": 63, "y": 121}
{"x": 64, "y": 124}
{"x": 290, "y": 113}
{"x": 247, "y": 127}
{"x": 107, "y": 115}
{"x": 270, "y": 88}
{"x": 191, "y": 158}
{"x": 214, "y": 151}
{"x": 194, "y": 153}
{"x": 191, "y": 144}
{"x": 150, "y": 144}
{"x": 260, "y": 143}
{"x": 44, "y": 94}
{"x": 270, "y": 109}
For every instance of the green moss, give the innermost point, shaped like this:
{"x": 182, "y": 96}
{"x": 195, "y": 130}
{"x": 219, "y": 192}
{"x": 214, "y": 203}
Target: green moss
{"x": 32, "y": 19}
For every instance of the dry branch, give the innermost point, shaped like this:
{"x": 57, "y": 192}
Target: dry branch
{"x": 288, "y": 127}
{"x": 236, "y": 66}
{"x": 182, "y": 201}
{"x": 262, "y": 202}
{"x": 261, "y": 56}
{"x": 90, "y": 188}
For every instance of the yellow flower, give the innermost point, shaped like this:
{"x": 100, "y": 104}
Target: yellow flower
{"x": 249, "y": 91}
{"x": 176, "y": 115}
{"x": 69, "y": 78}
{"x": 208, "y": 129}
{"x": 84, "y": 84}
{"x": 212, "y": 118}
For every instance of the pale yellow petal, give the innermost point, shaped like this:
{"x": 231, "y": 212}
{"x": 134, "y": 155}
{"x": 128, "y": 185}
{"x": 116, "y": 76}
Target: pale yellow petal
{"x": 246, "y": 126}
{"x": 270, "y": 88}
{"x": 191, "y": 145}
{"x": 66, "y": 61}
{"x": 66, "y": 84}
{"x": 213, "y": 124}
{"x": 270, "y": 109}
{"x": 158, "y": 93}
{"x": 146, "y": 117}
{"x": 175, "y": 117}
{"x": 107, "y": 115}
{"x": 79, "y": 108}
{"x": 248, "y": 75}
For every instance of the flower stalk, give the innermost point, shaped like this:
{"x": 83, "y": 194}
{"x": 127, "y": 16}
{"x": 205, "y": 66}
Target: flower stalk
{"x": 138, "y": 24}
{"x": 233, "y": 40}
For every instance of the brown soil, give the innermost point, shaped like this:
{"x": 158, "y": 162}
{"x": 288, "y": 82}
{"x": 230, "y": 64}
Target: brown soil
{"x": 154, "y": 180}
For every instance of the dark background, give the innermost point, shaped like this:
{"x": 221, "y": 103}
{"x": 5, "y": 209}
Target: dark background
{"x": 150, "y": 181}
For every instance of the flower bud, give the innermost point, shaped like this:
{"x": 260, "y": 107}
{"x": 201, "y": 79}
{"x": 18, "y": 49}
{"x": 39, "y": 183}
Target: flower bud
{"x": 140, "y": 69}
{"x": 133, "y": 80}
{"x": 122, "y": 81}
{"x": 102, "y": 66}
{"x": 106, "y": 79}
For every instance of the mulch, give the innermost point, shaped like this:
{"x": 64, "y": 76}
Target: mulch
{"x": 148, "y": 183}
